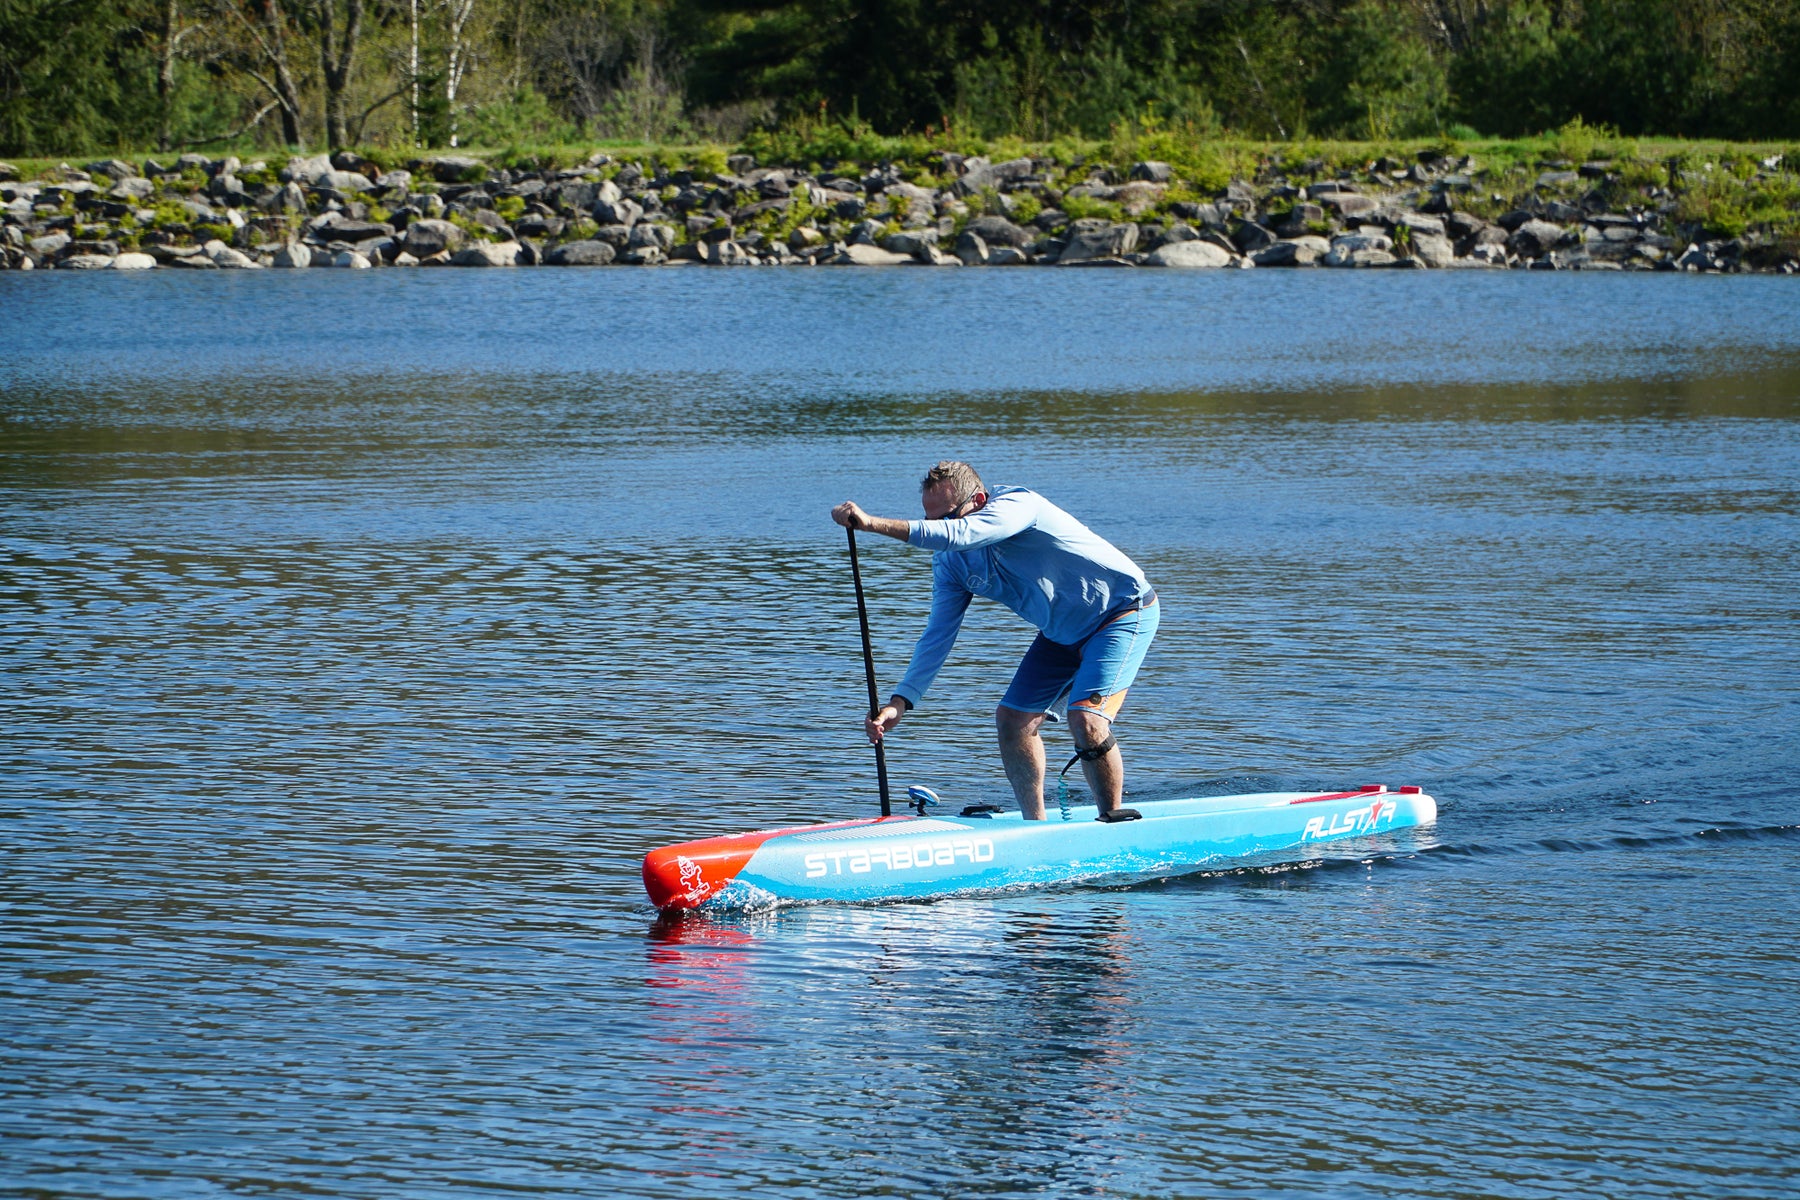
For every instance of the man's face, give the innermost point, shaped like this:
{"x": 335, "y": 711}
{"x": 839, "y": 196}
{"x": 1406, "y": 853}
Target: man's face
{"x": 940, "y": 501}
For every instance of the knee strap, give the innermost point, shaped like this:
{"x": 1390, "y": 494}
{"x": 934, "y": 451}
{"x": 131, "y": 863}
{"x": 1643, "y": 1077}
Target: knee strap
{"x": 1091, "y": 753}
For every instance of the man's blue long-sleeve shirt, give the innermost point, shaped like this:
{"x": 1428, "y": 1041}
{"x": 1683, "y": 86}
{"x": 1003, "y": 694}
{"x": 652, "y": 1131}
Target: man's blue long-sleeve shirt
{"x": 1031, "y": 556}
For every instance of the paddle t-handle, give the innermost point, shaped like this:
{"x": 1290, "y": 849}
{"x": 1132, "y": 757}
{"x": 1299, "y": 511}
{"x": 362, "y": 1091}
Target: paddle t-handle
{"x": 862, "y": 617}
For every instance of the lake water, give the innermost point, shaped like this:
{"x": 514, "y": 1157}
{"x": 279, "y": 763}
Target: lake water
{"x": 362, "y": 632}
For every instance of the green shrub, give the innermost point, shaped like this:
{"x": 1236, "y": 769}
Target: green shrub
{"x": 1081, "y": 207}
{"x": 707, "y": 160}
{"x": 1727, "y": 206}
{"x": 524, "y": 118}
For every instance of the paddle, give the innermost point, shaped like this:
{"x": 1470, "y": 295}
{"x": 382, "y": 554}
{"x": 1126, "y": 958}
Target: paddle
{"x": 862, "y": 616}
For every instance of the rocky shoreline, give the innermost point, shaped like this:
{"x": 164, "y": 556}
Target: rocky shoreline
{"x": 345, "y": 211}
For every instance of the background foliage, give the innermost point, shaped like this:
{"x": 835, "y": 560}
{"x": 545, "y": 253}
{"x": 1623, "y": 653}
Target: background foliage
{"x": 97, "y": 75}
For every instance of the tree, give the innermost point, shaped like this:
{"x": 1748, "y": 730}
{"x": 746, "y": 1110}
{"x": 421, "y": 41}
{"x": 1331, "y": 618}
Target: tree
{"x": 260, "y": 51}
{"x": 1378, "y": 76}
{"x": 337, "y": 59}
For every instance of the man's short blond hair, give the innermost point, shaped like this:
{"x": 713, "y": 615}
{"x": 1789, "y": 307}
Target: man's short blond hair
{"x": 964, "y": 482}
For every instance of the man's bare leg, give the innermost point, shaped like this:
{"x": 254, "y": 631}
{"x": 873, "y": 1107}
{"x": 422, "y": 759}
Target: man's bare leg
{"x": 1022, "y": 753}
{"x": 1106, "y": 775}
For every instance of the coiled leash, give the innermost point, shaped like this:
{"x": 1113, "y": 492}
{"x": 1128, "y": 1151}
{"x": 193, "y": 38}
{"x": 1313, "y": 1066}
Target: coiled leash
{"x": 1090, "y": 754}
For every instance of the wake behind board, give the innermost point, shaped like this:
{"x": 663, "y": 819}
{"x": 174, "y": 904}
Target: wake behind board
{"x": 920, "y": 857}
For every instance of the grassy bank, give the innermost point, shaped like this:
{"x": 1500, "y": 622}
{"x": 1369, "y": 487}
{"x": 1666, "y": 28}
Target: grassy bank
{"x": 1739, "y": 199}
{"x": 1722, "y": 189}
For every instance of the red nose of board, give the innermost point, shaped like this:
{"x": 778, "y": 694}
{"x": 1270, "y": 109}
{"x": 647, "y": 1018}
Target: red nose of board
{"x": 688, "y": 875}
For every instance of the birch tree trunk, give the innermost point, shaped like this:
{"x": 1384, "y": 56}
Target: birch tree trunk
{"x": 459, "y": 12}
{"x": 412, "y": 70}
{"x": 165, "y": 73}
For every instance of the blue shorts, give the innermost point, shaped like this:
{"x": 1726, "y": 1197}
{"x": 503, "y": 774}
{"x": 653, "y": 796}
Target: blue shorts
{"x": 1092, "y": 671}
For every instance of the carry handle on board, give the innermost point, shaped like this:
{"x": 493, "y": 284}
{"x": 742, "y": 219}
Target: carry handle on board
{"x": 862, "y": 616}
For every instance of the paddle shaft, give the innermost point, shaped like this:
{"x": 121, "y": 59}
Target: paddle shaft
{"x": 862, "y": 617}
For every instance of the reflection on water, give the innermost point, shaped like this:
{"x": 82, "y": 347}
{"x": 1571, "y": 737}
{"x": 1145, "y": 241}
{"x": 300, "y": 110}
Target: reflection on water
{"x": 345, "y": 691}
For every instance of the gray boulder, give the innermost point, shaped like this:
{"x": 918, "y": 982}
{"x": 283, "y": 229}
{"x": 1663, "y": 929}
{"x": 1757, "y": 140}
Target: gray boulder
{"x": 112, "y": 168}
{"x": 618, "y": 212}
{"x": 85, "y": 262}
{"x": 426, "y": 236}
{"x": 651, "y": 235}
{"x": 457, "y": 168}
{"x": 351, "y": 259}
{"x": 1461, "y": 225}
{"x": 225, "y": 257}
{"x": 1304, "y": 251}
{"x": 971, "y": 249}
{"x": 581, "y": 254}
{"x": 862, "y": 254}
{"x": 1349, "y": 243}
{"x": 725, "y": 253}
{"x": 487, "y": 254}
{"x": 359, "y": 231}
{"x": 1535, "y": 238}
{"x": 348, "y": 182}
{"x": 307, "y": 170}
{"x": 619, "y": 236}
{"x": 105, "y": 247}
{"x": 293, "y": 255}
{"x": 998, "y": 231}
{"x": 1152, "y": 172}
{"x": 1433, "y": 250}
{"x": 1349, "y": 205}
{"x": 133, "y": 262}
{"x": 1008, "y": 256}
{"x": 1251, "y": 237}
{"x": 981, "y": 175}
{"x": 536, "y": 225}
{"x": 1109, "y": 241}
{"x": 1359, "y": 258}
{"x": 1194, "y": 254}
{"x": 1304, "y": 214}
{"x": 911, "y": 243}
{"x": 1420, "y": 223}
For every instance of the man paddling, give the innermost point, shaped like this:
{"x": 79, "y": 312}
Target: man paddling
{"x": 1094, "y": 611}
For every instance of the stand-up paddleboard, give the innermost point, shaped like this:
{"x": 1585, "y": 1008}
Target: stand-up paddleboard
{"x": 920, "y": 857}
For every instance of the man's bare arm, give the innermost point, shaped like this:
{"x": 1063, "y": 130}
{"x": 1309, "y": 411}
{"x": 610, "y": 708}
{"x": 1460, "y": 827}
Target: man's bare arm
{"x": 850, "y": 516}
